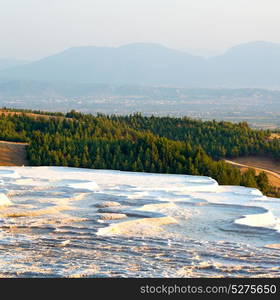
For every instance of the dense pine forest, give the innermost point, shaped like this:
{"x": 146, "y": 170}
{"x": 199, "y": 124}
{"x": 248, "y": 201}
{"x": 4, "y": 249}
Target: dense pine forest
{"x": 142, "y": 144}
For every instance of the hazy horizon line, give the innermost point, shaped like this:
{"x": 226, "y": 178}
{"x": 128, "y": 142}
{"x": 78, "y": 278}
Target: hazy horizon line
{"x": 196, "y": 51}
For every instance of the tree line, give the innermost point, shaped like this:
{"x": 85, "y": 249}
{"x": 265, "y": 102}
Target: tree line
{"x": 142, "y": 144}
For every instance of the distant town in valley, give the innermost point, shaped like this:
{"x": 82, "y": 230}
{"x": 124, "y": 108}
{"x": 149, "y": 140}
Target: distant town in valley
{"x": 242, "y": 84}
{"x": 258, "y": 107}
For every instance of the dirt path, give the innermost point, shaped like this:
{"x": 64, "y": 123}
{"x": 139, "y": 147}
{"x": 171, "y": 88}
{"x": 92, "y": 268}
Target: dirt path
{"x": 259, "y": 161}
{"x": 273, "y": 177}
{"x": 12, "y": 154}
{"x": 250, "y": 166}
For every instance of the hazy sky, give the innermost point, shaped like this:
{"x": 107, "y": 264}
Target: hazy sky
{"x": 31, "y": 29}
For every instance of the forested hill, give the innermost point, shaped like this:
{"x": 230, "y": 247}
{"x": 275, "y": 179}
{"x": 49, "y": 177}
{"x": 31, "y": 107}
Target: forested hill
{"x": 218, "y": 139}
{"x": 137, "y": 143}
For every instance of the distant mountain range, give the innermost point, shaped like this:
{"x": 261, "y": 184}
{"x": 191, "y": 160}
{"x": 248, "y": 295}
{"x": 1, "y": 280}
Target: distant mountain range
{"x": 10, "y": 63}
{"x": 255, "y": 64}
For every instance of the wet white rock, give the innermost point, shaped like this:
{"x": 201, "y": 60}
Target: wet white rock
{"x": 4, "y": 200}
{"x": 111, "y": 216}
{"x": 107, "y": 204}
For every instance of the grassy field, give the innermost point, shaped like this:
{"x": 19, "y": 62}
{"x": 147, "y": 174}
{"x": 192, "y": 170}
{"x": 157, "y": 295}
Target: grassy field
{"x": 12, "y": 154}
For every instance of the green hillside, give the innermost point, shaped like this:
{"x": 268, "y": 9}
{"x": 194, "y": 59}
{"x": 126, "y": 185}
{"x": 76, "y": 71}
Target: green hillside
{"x": 142, "y": 144}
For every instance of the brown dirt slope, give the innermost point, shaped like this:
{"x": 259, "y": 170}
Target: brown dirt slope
{"x": 31, "y": 115}
{"x": 12, "y": 154}
{"x": 274, "y": 136}
{"x": 260, "y": 163}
